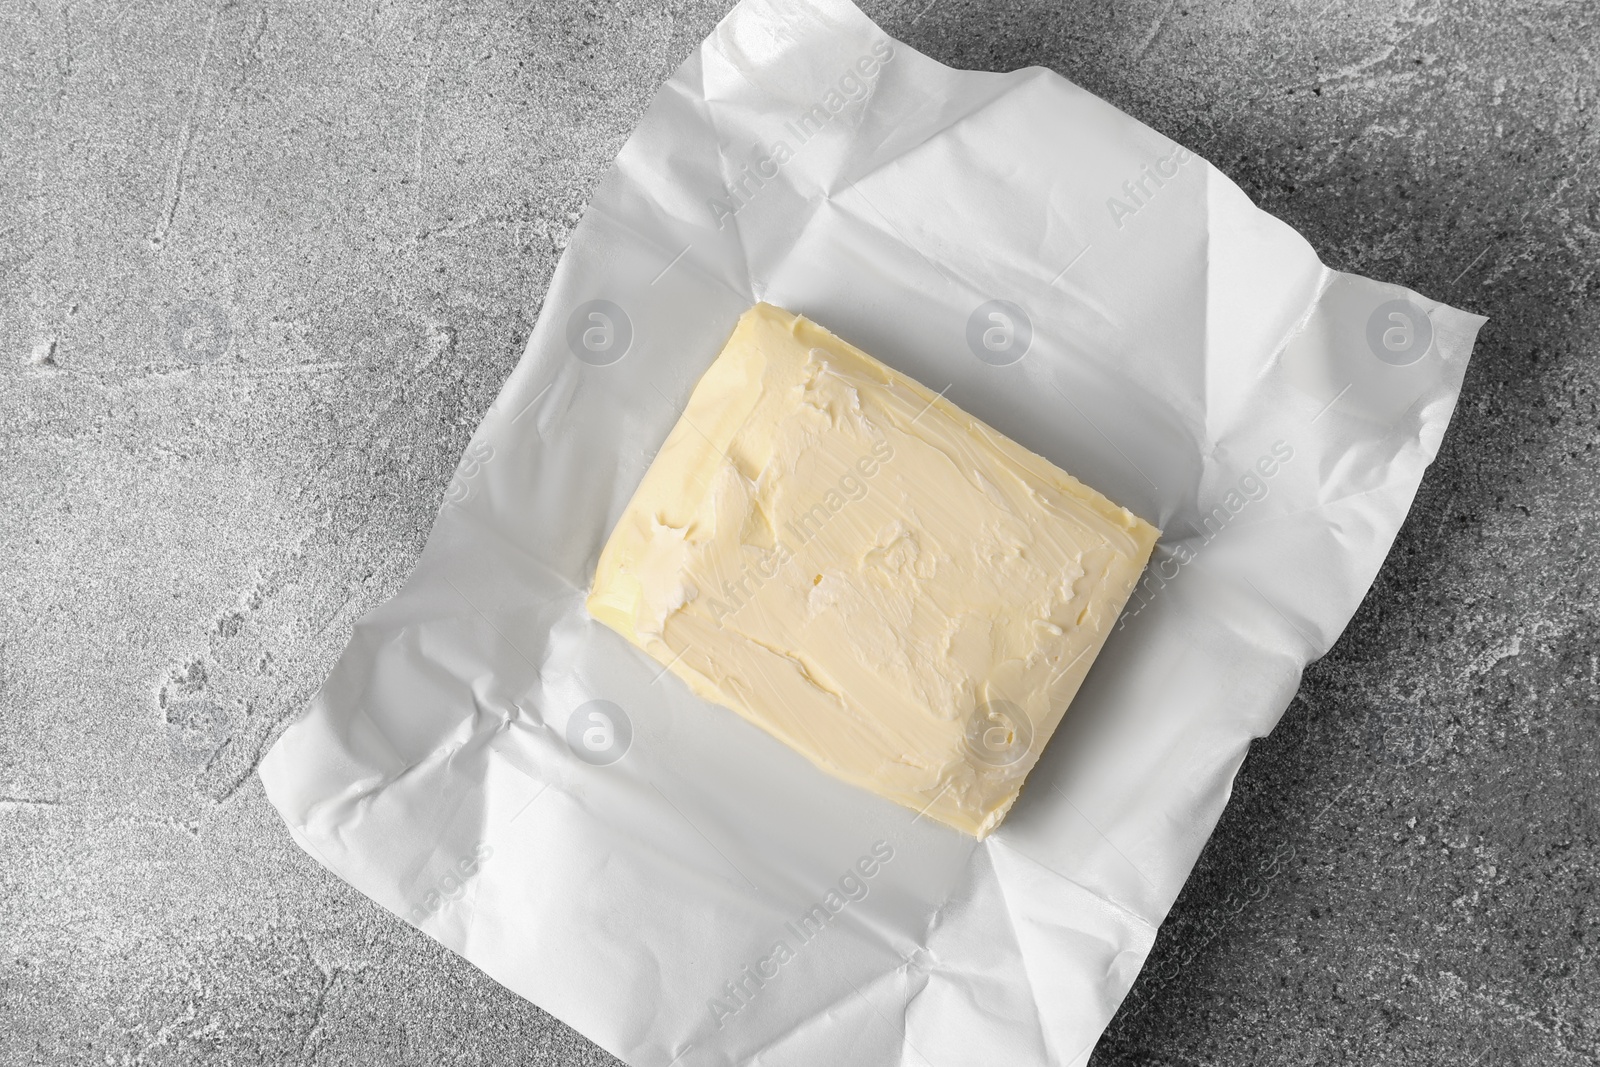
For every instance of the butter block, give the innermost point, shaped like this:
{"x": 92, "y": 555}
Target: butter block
{"x": 901, "y": 594}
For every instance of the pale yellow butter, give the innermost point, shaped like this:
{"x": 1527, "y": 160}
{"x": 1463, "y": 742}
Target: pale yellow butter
{"x": 904, "y": 596}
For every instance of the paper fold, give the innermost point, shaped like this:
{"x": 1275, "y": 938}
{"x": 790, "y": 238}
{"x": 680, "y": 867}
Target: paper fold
{"x": 1189, "y": 357}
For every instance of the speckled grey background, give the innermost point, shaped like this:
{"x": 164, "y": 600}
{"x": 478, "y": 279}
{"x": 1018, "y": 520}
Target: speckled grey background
{"x": 262, "y": 267}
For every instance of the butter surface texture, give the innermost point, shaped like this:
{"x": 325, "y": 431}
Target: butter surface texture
{"x": 895, "y": 590}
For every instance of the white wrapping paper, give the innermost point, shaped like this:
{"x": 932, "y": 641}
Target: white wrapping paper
{"x": 492, "y": 765}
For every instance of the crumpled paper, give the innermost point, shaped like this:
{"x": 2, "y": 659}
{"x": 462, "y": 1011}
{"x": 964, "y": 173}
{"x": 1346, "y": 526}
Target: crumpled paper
{"x": 492, "y": 765}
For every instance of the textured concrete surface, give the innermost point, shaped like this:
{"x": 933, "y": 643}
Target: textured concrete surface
{"x": 262, "y": 267}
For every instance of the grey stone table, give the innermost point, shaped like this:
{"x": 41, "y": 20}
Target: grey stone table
{"x": 265, "y": 265}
